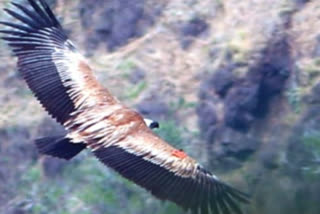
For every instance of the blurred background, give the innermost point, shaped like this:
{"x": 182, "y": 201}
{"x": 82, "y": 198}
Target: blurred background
{"x": 233, "y": 83}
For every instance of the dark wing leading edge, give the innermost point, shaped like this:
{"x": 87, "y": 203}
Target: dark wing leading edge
{"x": 64, "y": 84}
{"x": 169, "y": 174}
{"x": 55, "y": 72}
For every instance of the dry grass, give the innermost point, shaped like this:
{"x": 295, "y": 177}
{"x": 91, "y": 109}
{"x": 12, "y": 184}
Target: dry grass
{"x": 305, "y": 31}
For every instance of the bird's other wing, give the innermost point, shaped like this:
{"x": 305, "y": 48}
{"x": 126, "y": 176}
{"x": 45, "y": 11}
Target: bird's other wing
{"x": 53, "y": 69}
{"x": 169, "y": 174}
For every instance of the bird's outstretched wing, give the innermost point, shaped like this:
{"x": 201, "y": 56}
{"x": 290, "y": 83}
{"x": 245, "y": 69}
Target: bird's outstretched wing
{"x": 169, "y": 174}
{"x": 64, "y": 84}
{"x": 53, "y": 69}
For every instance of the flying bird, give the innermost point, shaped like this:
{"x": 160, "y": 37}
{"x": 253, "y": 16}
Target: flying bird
{"x": 64, "y": 84}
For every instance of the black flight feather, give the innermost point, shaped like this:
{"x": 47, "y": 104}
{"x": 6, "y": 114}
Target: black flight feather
{"x": 201, "y": 195}
{"x": 59, "y": 147}
{"x": 34, "y": 41}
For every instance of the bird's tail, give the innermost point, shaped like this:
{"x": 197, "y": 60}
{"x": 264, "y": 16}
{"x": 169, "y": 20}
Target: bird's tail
{"x": 59, "y": 146}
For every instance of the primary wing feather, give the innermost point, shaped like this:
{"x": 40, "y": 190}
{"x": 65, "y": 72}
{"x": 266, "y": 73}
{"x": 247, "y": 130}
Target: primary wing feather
{"x": 168, "y": 177}
{"x": 121, "y": 140}
{"x": 64, "y": 84}
{"x": 53, "y": 69}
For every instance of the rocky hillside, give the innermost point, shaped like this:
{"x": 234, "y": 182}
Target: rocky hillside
{"x": 233, "y": 83}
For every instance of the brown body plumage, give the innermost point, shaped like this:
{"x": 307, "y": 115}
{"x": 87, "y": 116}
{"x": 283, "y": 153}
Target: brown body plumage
{"x": 64, "y": 84}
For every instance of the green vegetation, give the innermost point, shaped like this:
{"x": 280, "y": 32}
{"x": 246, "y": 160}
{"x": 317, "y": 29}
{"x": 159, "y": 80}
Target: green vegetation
{"x": 286, "y": 8}
{"x": 313, "y": 68}
{"x": 44, "y": 195}
{"x": 126, "y": 65}
{"x": 294, "y": 95}
{"x": 239, "y": 46}
{"x": 170, "y": 132}
{"x": 136, "y": 90}
{"x": 86, "y": 186}
{"x": 181, "y": 104}
{"x": 312, "y": 140}
{"x": 309, "y": 71}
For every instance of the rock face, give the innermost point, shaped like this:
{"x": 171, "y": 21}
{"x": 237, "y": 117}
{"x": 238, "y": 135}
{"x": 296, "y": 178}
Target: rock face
{"x": 244, "y": 73}
{"x": 208, "y": 124}
{"x": 192, "y": 29}
{"x": 222, "y": 81}
{"x": 153, "y": 108}
{"x": 245, "y": 99}
{"x": 259, "y": 108}
{"x": 118, "y": 21}
{"x": 250, "y": 97}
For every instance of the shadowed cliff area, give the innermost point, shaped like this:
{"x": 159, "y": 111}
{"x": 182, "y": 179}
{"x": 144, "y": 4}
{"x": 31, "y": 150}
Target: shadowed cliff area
{"x": 235, "y": 84}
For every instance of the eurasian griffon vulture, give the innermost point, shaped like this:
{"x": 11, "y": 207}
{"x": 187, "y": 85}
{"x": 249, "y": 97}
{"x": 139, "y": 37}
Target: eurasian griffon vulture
{"x": 118, "y": 136}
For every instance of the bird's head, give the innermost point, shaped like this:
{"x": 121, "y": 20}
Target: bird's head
{"x": 151, "y": 123}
